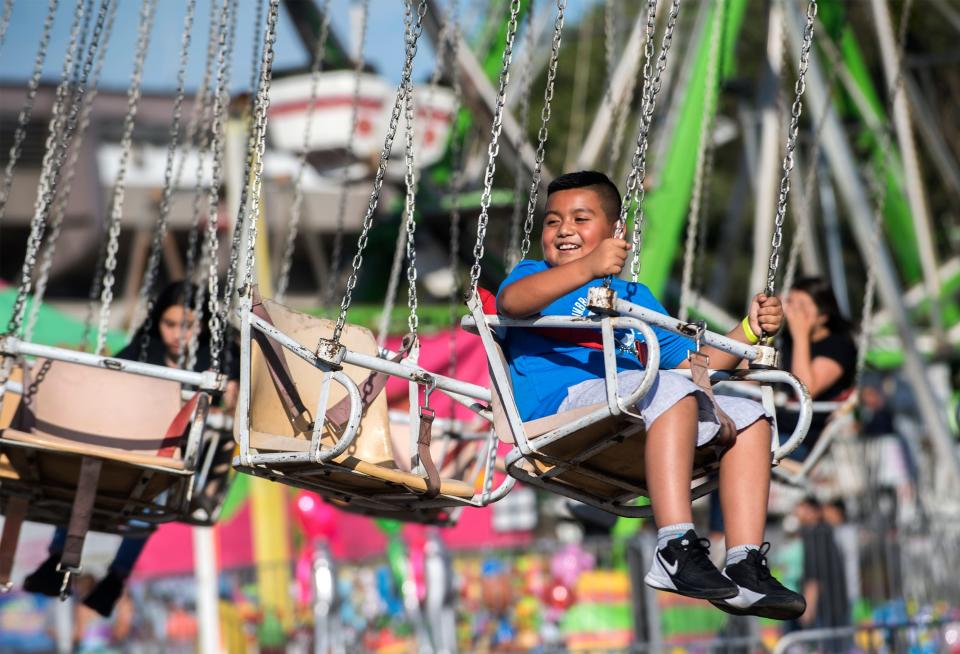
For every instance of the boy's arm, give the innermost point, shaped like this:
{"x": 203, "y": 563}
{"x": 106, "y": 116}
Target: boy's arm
{"x": 530, "y": 295}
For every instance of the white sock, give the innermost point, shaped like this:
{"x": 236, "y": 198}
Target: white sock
{"x": 739, "y": 553}
{"x": 670, "y": 532}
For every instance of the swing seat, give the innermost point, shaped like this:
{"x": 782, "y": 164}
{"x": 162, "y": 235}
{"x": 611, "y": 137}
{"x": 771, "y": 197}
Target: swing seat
{"x": 601, "y": 462}
{"x": 79, "y": 412}
{"x": 366, "y": 475}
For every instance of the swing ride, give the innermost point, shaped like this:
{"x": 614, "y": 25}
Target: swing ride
{"x": 94, "y": 442}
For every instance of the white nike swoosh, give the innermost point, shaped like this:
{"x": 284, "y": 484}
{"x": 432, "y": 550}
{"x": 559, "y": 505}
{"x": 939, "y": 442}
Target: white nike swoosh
{"x": 672, "y": 569}
{"x": 745, "y": 598}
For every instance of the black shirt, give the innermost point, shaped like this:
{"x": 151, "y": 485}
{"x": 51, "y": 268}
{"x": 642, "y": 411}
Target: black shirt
{"x": 823, "y": 563}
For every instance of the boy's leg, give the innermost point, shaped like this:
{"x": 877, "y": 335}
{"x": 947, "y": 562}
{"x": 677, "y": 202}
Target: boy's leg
{"x": 108, "y": 590}
{"x": 744, "y": 491}
{"x": 681, "y": 563}
{"x": 46, "y": 579}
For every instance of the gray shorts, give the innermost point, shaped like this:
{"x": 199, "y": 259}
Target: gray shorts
{"x": 666, "y": 391}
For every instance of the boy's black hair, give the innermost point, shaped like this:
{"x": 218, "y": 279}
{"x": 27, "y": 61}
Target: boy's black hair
{"x": 595, "y": 181}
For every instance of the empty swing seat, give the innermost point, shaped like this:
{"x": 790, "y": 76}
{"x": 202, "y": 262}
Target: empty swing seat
{"x": 366, "y": 476}
{"x": 136, "y": 426}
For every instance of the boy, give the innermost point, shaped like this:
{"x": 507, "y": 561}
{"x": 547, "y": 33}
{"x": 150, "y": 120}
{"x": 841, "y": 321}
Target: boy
{"x": 550, "y": 376}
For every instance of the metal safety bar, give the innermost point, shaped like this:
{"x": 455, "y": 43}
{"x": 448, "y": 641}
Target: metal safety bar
{"x": 207, "y": 381}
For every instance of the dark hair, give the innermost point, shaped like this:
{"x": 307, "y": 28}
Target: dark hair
{"x": 821, "y": 292}
{"x": 173, "y": 294}
{"x": 840, "y": 506}
{"x": 812, "y": 501}
{"x": 595, "y": 181}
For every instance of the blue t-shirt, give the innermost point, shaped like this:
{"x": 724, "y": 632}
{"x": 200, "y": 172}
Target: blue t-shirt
{"x": 543, "y": 369}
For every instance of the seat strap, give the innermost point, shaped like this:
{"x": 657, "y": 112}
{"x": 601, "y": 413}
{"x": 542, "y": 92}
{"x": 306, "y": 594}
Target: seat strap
{"x": 427, "y": 416}
{"x": 700, "y": 374}
{"x": 81, "y": 513}
{"x": 16, "y": 513}
{"x": 279, "y": 371}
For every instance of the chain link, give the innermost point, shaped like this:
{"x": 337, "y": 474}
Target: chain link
{"x": 704, "y": 153}
{"x": 20, "y": 133}
{"x": 405, "y": 76}
{"x": 147, "y": 295}
{"x": 283, "y": 279}
{"x": 795, "y": 111}
{"x": 493, "y": 149}
{"x": 523, "y": 115}
{"x": 336, "y": 257}
{"x": 410, "y": 182}
{"x": 59, "y": 136}
{"x": 147, "y": 12}
{"x": 639, "y": 168}
{"x": 542, "y": 134}
{"x": 70, "y": 169}
{"x": 260, "y": 131}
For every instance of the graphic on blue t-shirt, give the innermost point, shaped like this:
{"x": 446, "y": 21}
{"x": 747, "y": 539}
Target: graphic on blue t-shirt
{"x": 542, "y": 369}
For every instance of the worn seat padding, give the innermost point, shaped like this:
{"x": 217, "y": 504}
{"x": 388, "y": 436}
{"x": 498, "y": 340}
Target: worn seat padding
{"x": 370, "y": 455}
{"x": 623, "y": 460}
{"x": 80, "y": 411}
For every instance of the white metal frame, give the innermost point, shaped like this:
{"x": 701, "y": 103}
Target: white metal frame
{"x": 270, "y": 464}
{"x": 624, "y": 315}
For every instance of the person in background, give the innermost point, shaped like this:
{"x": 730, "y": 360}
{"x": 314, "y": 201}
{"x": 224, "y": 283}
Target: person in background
{"x": 168, "y": 330}
{"x": 847, "y": 539}
{"x": 818, "y": 349}
{"x": 824, "y": 580}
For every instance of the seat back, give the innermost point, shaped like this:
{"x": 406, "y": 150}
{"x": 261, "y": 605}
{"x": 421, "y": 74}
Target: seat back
{"x": 267, "y": 414}
{"x": 11, "y": 400}
{"x": 96, "y": 406}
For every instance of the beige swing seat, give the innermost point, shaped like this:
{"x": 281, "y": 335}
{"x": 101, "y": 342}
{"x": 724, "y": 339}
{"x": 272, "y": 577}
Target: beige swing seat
{"x": 365, "y": 477}
{"x": 122, "y": 420}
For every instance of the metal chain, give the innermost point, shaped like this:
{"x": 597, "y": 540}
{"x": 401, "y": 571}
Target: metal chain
{"x": 26, "y": 111}
{"x": 456, "y": 185}
{"x": 260, "y": 130}
{"x": 638, "y": 170}
{"x": 795, "y": 112}
{"x": 336, "y": 256}
{"x": 704, "y": 152}
{"x": 147, "y": 12}
{"x": 236, "y": 238}
{"x": 523, "y": 115}
{"x": 493, "y": 149}
{"x": 58, "y": 140}
{"x": 410, "y": 182}
{"x": 283, "y": 279}
{"x": 880, "y": 194}
{"x": 5, "y": 19}
{"x": 542, "y": 134}
{"x": 70, "y": 168}
{"x": 147, "y": 296}
{"x": 411, "y": 51}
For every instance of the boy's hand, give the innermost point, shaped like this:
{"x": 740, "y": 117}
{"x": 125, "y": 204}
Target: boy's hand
{"x": 766, "y": 314}
{"x": 608, "y": 258}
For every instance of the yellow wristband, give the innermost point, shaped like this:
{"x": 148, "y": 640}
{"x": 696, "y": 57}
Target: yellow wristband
{"x": 751, "y": 337}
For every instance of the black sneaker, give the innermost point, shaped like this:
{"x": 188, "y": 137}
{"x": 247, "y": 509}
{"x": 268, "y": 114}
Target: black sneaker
{"x": 46, "y": 580}
{"x": 105, "y": 594}
{"x": 683, "y": 566}
{"x": 760, "y": 592}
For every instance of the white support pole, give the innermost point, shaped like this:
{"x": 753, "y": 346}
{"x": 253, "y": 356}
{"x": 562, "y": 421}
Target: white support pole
{"x": 205, "y": 570}
{"x": 911, "y": 165}
{"x": 845, "y": 170}
{"x": 769, "y": 163}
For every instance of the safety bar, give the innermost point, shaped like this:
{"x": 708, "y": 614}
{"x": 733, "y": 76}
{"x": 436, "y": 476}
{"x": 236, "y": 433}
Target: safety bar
{"x": 317, "y": 453}
{"x": 207, "y": 381}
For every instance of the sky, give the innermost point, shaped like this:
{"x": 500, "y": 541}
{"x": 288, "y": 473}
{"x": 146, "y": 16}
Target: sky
{"x": 384, "y": 41}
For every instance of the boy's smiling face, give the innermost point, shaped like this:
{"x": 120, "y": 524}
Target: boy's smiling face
{"x": 573, "y": 225}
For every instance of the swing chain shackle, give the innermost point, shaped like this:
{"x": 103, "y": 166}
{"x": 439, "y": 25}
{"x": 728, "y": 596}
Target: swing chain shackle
{"x": 788, "y": 161}
{"x": 331, "y": 352}
{"x": 493, "y": 148}
{"x": 411, "y": 50}
{"x": 544, "y": 122}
